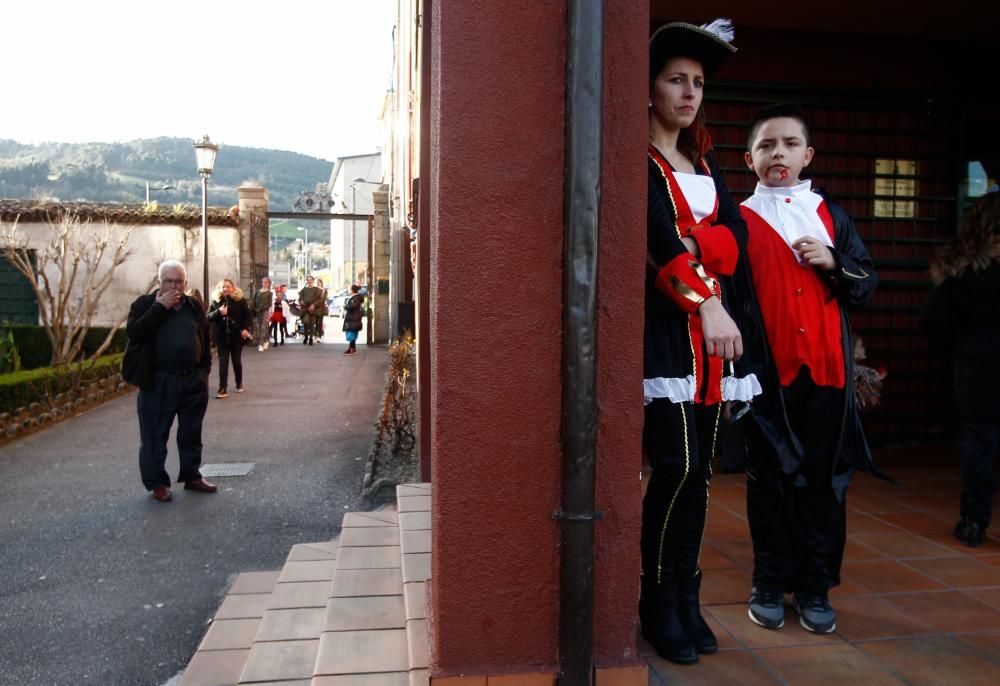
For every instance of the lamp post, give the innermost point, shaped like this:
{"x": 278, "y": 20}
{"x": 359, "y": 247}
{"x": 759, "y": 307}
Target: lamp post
{"x": 204, "y": 153}
{"x": 157, "y": 188}
{"x": 305, "y": 248}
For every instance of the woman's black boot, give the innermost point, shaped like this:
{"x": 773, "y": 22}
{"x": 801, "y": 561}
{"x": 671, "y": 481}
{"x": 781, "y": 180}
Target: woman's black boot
{"x": 662, "y": 627}
{"x": 689, "y": 610}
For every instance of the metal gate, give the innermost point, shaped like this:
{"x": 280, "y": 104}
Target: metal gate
{"x": 18, "y": 304}
{"x": 895, "y": 166}
{"x": 259, "y": 254}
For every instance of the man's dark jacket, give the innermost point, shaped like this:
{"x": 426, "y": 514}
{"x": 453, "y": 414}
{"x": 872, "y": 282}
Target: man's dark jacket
{"x": 144, "y": 320}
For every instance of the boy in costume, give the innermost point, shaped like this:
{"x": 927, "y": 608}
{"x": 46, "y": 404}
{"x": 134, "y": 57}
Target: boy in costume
{"x": 808, "y": 266}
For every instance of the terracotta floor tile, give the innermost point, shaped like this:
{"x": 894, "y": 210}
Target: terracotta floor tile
{"x": 415, "y": 541}
{"x": 856, "y": 551}
{"x": 921, "y": 503}
{"x": 934, "y": 661}
{"x": 376, "y": 557}
{"x": 875, "y": 505}
{"x": 887, "y": 576}
{"x": 310, "y": 570}
{"x": 382, "y": 518}
{"x": 871, "y": 617}
{"x": 387, "y": 679}
{"x": 723, "y": 586}
{"x": 903, "y": 545}
{"x": 246, "y": 606}
{"x": 723, "y": 526}
{"x": 823, "y": 665}
{"x": 304, "y": 552}
{"x": 987, "y": 645}
{"x": 948, "y": 611}
{"x": 959, "y": 572}
{"x": 414, "y": 521}
{"x": 280, "y": 660}
{"x": 990, "y": 596}
{"x": 292, "y": 625}
{"x": 722, "y": 669}
{"x": 230, "y": 634}
{"x": 712, "y": 558}
{"x": 416, "y": 567}
{"x": 945, "y": 539}
{"x": 740, "y": 552}
{"x": 990, "y": 559}
{"x": 414, "y": 503}
{"x": 361, "y": 652}
{"x": 355, "y": 582}
{"x": 299, "y": 594}
{"x": 918, "y": 522}
{"x": 415, "y": 600}
{"x": 369, "y": 536}
{"x": 734, "y": 503}
{"x": 254, "y": 582}
{"x": 735, "y": 620}
{"x": 365, "y": 612}
{"x": 859, "y": 523}
{"x": 849, "y": 587}
{"x": 214, "y": 667}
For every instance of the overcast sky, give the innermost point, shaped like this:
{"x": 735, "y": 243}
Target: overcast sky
{"x": 305, "y": 76}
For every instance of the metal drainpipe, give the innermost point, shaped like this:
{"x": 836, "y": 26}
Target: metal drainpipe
{"x": 584, "y": 72}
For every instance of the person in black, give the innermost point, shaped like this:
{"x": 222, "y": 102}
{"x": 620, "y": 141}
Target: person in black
{"x": 231, "y": 316}
{"x": 962, "y": 317}
{"x": 169, "y": 358}
{"x": 353, "y": 317}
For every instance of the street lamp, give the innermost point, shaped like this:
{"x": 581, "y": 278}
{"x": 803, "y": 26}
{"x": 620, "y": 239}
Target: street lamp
{"x": 157, "y": 188}
{"x": 306, "y": 248}
{"x": 204, "y": 153}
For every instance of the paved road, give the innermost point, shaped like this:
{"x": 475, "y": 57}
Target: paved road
{"x": 99, "y": 584}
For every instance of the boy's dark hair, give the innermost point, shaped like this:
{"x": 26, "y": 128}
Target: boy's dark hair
{"x": 774, "y": 112}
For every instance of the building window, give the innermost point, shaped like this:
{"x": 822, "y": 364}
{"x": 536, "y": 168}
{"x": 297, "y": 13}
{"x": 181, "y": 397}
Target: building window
{"x": 895, "y": 188}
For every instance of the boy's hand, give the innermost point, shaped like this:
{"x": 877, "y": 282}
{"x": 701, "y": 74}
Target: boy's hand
{"x": 722, "y": 337}
{"x": 815, "y": 254}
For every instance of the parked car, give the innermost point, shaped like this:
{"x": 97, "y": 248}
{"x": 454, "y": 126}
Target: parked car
{"x": 335, "y": 303}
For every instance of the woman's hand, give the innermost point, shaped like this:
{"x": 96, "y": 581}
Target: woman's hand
{"x": 722, "y": 337}
{"x": 223, "y": 310}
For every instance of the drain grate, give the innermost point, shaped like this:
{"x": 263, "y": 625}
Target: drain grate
{"x": 227, "y": 469}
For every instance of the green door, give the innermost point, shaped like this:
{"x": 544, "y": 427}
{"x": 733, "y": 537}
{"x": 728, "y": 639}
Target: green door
{"x": 17, "y": 299}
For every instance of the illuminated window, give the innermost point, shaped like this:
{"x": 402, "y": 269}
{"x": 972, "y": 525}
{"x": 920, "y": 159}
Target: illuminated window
{"x": 891, "y": 180}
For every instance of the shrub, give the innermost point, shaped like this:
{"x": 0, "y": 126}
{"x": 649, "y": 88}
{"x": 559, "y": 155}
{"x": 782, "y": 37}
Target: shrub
{"x": 35, "y": 349}
{"x": 36, "y": 385}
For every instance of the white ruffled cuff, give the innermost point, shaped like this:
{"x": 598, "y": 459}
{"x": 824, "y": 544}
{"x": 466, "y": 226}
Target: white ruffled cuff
{"x": 678, "y": 390}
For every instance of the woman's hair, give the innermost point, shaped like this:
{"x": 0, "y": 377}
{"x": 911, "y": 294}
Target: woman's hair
{"x": 977, "y": 242}
{"x": 217, "y": 294}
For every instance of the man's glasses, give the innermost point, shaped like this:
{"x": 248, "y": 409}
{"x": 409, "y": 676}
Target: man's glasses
{"x": 172, "y": 282}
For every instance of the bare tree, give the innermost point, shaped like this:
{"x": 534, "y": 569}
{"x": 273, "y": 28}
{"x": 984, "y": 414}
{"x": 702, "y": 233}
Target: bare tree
{"x": 69, "y": 274}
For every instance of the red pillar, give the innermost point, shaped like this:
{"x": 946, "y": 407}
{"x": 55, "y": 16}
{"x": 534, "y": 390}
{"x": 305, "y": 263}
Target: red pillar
{"x": 496, "y": 228}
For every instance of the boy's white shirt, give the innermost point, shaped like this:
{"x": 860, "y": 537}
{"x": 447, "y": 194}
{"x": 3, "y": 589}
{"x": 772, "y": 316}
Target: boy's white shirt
{"x": 792, "y": 212}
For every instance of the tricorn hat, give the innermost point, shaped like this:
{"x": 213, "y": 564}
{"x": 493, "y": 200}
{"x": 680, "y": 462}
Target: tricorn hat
{"x": 710, "y": 44}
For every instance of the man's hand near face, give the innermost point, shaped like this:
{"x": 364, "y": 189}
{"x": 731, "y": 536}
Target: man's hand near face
{"x": 168, "y": 297}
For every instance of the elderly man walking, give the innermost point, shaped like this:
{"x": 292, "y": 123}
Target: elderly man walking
{"x": 168, "y": 357}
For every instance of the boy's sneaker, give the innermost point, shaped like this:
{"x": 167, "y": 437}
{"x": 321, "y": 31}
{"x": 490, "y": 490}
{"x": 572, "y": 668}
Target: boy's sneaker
{"x": 223, "y": 393}
{"x": 767, "y": 608}
{"x": 815, "y": 613}
{"x": 240, "y": 389}
{"x": 260, "y": 348}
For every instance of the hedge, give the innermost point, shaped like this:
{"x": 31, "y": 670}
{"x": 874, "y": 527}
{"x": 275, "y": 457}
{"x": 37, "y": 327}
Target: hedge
{"x": 36, "y": 351}
{"x": 34, "y": 385}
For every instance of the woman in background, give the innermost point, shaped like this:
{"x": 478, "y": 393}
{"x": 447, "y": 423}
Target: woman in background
{"x": 230, "y": 317}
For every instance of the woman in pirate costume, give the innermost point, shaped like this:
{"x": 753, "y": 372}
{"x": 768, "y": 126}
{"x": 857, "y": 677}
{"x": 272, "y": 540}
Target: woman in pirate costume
{"x": 695, "y": 236}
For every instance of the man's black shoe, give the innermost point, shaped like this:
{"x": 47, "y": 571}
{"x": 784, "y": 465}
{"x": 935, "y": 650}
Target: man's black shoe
{"x": 971, "y": 532}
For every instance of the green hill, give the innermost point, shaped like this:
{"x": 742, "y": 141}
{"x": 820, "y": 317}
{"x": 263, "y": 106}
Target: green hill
{"x": 118, "y": 172}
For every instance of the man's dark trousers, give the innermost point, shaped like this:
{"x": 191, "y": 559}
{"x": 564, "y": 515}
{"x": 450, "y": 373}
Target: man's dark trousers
{"x": 184, "y": 396}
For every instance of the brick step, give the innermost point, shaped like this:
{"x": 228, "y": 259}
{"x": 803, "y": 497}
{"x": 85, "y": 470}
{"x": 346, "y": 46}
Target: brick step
{"x": 348, "y": 611}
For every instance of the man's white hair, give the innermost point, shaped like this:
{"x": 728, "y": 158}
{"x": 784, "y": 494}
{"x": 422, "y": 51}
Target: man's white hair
{"x": 171, "y": 264}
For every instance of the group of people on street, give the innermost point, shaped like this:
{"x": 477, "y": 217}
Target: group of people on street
{"x": 745, "y": 322}
{"x": 169, "y": 358}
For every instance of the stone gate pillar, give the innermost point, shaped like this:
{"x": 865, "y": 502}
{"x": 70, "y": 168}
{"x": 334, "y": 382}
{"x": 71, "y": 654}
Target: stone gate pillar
{"x": 253, "y": 200}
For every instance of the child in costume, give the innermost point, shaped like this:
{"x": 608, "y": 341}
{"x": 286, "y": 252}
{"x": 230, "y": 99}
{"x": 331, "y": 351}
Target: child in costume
{"x": 809, "y": 265}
